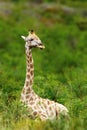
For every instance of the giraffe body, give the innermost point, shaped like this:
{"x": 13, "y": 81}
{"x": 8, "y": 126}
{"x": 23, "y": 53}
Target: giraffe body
{"x": 42, "y": 108}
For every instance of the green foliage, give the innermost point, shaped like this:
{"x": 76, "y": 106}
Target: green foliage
{"x": 60, "y": 69}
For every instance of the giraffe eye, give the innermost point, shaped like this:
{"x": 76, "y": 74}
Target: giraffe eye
{"x": 31, "y": 39}
{"x": 40, "y": 44}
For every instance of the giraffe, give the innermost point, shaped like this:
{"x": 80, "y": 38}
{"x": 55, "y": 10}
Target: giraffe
{"x": 40, "y": 107}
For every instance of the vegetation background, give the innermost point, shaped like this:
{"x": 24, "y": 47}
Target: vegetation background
{"x": 60, "y": 69}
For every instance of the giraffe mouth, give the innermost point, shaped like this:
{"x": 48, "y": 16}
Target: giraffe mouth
{"x": 41, "y": 46}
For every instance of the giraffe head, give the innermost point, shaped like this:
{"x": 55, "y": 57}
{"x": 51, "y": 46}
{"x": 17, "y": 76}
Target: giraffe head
{"x": 32, "y": 40}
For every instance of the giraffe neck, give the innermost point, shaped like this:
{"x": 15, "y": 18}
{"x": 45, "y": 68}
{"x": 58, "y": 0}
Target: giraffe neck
{"x": 27, "y": 90}
{"x": 29, "y": 69}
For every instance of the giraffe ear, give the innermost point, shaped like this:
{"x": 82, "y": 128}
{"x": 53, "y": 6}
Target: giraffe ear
{"x": 31, "y": 32}
{"x": 23, "y": 37}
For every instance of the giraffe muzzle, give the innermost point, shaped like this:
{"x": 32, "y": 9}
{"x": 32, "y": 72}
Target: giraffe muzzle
{"x": 41, "y": 46}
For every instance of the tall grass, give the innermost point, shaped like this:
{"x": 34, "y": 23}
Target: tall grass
{"x": 60, "y": 69}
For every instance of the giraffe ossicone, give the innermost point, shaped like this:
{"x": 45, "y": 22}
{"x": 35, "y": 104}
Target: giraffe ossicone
{"x": 42, "y": 108}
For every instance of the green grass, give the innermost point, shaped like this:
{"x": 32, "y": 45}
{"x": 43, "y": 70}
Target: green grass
{"x": 60, "y": 69}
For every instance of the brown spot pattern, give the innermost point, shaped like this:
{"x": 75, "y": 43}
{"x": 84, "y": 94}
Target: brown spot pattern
{"x": 28, "y": 69}
{"x": 48, "y": 102}
{"x": 28, "y": 76}
{"x": 50, "y": 108}
{"x": 28, "y": 91}
{"x": 30, "y": 59}
{"x": 35, "y": 113}
{"x": 31, "y": 65}
{"x": 40, "y": 112}
{"x": 23, "y": 91}
{"x": 44, "y": 104}
{"x": 43, "y": 115}
{"x": 31, "y": 103}
{"x": 31, "y": 99}
{"x": 30, "y": 82}
{"x": 29, "y": 52}
{"x": 27, "y": 83}
{"x": 57, "y": 113}
{"x": 27, "y": 96}
{"x": 27, "y": 60}
{"x": 31, "y": 72}
{"x": 27, "y": 57}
